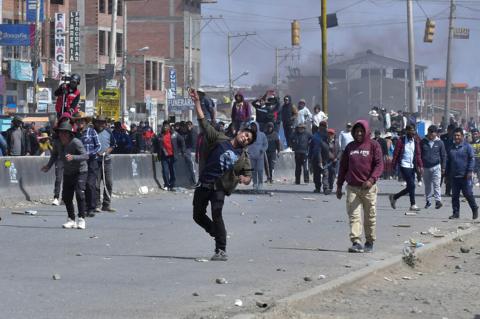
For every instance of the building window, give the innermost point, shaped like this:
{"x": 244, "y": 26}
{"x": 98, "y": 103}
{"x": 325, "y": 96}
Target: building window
{"x": 101, "y": 6}
{"x": 154, "y": 76}
{"x": 108, "y": 42}
{"x": 398, "y": 73}
{"x": 148, "y": 75}
{"x": 52, "y": 39}
{"x": 160, "y": 75}
{"x": 101, "y": 42}
{"x": 120, "y": 8}
{"x": 119, "y": 44}
{"x": 110, "y": 6}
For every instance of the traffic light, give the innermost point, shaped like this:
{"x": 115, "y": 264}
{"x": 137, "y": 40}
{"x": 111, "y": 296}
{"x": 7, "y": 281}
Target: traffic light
{"x": 295, "y": 33}
{"x": 429, "y": 31}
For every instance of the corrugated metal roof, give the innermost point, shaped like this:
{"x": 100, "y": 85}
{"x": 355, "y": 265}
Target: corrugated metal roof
{"x": 370, "y": 57}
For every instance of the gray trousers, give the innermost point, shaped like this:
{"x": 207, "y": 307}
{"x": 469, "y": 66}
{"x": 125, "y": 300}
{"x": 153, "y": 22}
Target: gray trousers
{"x": 258, "y": 168}
{"x": 432, "y": 177}
{"x": 107, "y": 180}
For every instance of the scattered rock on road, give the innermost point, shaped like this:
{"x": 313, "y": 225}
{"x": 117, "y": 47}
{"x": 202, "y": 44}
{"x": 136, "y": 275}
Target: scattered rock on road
{"x": 195, "y": 294}
{"x": 307, "y": 278}
{"x": 238, "y": 303}
{"x": 465, "y": 249}
{"x": 221, "y": 281}
{"x": 56, "y": 277}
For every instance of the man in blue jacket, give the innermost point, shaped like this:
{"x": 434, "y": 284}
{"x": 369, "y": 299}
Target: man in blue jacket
{"x": 434, "y": 158}
{"x": 461, "y": 163}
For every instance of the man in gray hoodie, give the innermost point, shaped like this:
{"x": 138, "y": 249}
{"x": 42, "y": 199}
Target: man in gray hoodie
{"x": 256, "y": 152}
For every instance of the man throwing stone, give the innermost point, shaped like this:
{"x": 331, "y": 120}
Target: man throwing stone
{"x": 226, "y": 166}
{"x": 361, "y": 166}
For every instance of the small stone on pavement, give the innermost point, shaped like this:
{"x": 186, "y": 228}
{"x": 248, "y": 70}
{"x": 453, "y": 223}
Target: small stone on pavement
{"x": 56, "y": 277}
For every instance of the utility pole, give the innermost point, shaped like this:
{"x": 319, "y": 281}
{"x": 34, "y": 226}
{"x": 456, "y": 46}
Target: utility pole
{"x": 230, "y": 53}
{"x": 124, "y": 64}
{"x": 324, "y": 56}
{"x": 36, "y": 55}
{"x": 411, "y": 59}
{"x": 113, "y": 37}
{"x": 448, "y": 93}
{"x": 190, "y": 43}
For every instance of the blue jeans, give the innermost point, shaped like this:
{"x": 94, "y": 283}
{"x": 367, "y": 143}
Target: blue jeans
{"x": 466, "y": 186}
{"x": 408, "y": 175}
{"x": 168, "y": 171}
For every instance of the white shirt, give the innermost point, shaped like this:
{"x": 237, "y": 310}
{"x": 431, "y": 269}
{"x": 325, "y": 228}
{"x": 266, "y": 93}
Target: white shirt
{"x": 408, "y": 153}
{"x": 319, "y": 117}
{"x": 304, "y": 116}
{"x": 345, "y": 139}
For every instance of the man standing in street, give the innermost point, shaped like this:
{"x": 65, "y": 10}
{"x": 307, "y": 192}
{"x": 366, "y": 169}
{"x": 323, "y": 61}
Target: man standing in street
{"x": 75, "y": 170}
{"x": 300, "y": 144}
{"x": 345, "y": 137}
{"x": 226, "y": 166}
{"x": 17, "y": 141}
{"x": 208, "y": 107}
{"x": 304, "y": 116}
{"x": 434, "y": 158}
{"x": 287, "y": 119}
{"x": 89, "y": 138}
{"x": 274, "y": 148}
{"x": 169, "y": 144}
{"x": 408, "y": 155}
{"x": 361, "y": 166}
{"x": 461, "y": 163}
{"x": 68, "y": 97}
{"x": 318, "y": 154}
{"x": 476, "y": 150}
{"x": 447, "y": 140}
{"x": 107, "y": 144}
{"x": 256, "y": 153}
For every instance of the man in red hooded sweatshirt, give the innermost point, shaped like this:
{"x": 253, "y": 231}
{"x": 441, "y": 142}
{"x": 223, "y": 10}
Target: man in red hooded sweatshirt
{"x": 361, "y": 166}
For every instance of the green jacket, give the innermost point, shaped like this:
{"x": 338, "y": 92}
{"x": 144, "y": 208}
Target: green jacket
{"x": 229, "y": 181}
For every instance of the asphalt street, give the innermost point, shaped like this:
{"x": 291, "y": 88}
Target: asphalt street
{"x": 140, "y": 262}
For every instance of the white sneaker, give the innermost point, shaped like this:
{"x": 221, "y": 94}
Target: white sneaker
{"x": 477, "y": 184}
{"x": 288, "y": 149}
{"x": 56, "y": 202}
{"x": 81, "y": 223}
{"x": 420, "y": 183}
{"x": 70, "y": 224}
{"x": 404, "y": 183}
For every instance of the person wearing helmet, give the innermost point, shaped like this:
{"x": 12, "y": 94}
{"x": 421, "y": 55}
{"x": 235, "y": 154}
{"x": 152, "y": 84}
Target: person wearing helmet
{"x": 68, "y": 96}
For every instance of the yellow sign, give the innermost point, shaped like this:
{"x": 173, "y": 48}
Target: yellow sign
{"x": 109, "y": 103}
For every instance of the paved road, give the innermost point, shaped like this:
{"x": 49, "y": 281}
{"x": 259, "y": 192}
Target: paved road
{"x": 140, "y": 262}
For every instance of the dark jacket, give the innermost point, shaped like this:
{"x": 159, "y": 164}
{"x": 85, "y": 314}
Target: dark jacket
{"x": 124, "y": 143}
{"x": 80, "y": 157}
{"x": 461, "y": 160}
{"x": 383, "y": 145}
{"x": 287, "y": 112}
{"x": 318, "y": 148}
{"x": 432, "y": 156}
{"x": 178, "y": 144}
{"x": 25, "y": 141}
{"x": 301, "y": 142}
{"x": 229, "y": 180}
{"x": 273, "y": 139}
{"x": 400, "y": 148}
{"x": 208, "y": 107}
{"x": 265, "y": 112}
{"x": 361, "y": 162}
{"x": 243, "y": 113}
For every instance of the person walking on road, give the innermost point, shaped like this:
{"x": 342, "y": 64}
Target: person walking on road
{"x": 318, "y": 117}
{"x": 89, "y": 138}
{"x": 304, "y": 116}
{"x": 476, "y": 149}
{"x": 105, "y": 174}
{"x": 408, "y": 155}
{"x": 227, "y": 165}
{"x": 75, "y": 171}
{"x": 461, "y": 163}
{"x": 434, "y": 158}
{"x": 318, "y": 153}
{"x": 256, "y": 153}
{"x": 345, "y": 137}
{"x": 288, "y": 117}
{"x": 447, "y": 140}
{"x": 274, "y": 148}
{"x": 300, "y": 142}
{"x": 361, "y": 166}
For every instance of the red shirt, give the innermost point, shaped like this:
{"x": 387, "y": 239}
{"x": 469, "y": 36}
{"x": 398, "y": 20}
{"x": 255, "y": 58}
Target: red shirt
{"x": 167, "y": 143}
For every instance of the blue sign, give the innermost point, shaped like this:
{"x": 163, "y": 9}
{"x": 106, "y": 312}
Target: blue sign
{"x": 22, "y": 71}
{"x": 17, "y": 34}
{"x": 173, "y": 82}
{"x": 32, "y": 11}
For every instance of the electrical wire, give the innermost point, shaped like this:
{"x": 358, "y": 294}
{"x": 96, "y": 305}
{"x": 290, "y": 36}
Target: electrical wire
{"x": 418, "y": 3}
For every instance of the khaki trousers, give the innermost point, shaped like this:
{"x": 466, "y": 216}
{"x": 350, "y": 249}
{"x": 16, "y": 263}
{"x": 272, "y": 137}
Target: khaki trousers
{"x": 358, "y": 198}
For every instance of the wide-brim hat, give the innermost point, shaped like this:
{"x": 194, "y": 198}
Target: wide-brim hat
{"x": 65, "y": 126}
{"x": 100, "y": 118}
{"x": 80, "y": 116}
{"x": 17, "y": 118}
{"x": 43, "y": 136}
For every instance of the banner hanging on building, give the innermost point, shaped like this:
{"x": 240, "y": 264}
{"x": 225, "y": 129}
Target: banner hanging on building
{"x": 173, "y": 83}
{"x": 22, "y": 71}
{"x": 60, "y": 47}
{"x": 32, "y": 11}
{"x": 74, "y": 36}
{"x": 17, "y": 34}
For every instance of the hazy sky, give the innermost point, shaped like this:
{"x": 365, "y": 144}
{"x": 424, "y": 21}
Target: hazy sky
{"x": 379, "y": 25}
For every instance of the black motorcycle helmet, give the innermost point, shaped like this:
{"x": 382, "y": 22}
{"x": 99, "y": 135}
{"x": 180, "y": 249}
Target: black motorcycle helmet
{"x": 75, "y": 78}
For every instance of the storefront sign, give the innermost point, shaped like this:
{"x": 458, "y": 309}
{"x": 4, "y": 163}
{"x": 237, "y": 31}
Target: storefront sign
{"x": 74, "y": 36}
{"x": 60, "y": 47}
{"x": 17, "y": 34}
{"x": 32, "y": 11}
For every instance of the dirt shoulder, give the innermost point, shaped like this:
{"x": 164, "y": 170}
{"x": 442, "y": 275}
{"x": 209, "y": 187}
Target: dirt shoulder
{"x": 445, "y": 283}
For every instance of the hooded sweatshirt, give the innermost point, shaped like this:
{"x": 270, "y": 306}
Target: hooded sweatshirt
{"x": 258, "y": 148}
{"x": 361, "y": 162}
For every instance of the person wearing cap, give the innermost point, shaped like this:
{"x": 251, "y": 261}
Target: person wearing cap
{"x": 208, "y": 106}
{"x": 226, "y": 165}
{"x": 300, "y": 145}
{"x": 345, "y": 137}
{"x": 89, "y": 138}
{"x": 434, "y": 159}
{"x": 318, "y": 117}
{"x": 68, "y": 96}
{"x": 17, "y": 139}
{"x": 44, "y": 145}
{"x": 104, "y": 159}
{"x": 265, "y": 108}
{"x": 75, "y": 169}
{"x": 288, "y": 119}
{"x": 304, "y": 116}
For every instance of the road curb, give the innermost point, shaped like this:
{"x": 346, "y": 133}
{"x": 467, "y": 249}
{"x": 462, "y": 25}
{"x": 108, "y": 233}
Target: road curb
{"x": 362, "y": 273}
